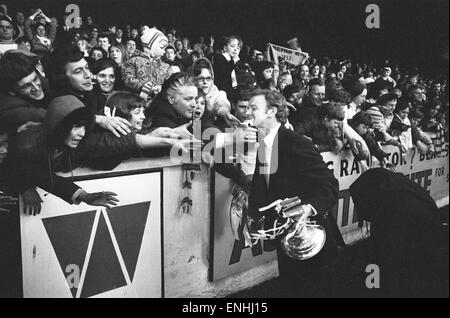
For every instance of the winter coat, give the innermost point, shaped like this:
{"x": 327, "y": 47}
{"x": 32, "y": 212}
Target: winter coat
{"x": 140, "y": 69}
{"x": 37, "y": 46}
{"x": 34, "y": 158}
{"x": 223, "y": 70}
{"x": 16, "y": 111}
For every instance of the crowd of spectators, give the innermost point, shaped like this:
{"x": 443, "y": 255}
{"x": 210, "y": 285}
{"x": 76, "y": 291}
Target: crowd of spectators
{"x": 93, "y": 95}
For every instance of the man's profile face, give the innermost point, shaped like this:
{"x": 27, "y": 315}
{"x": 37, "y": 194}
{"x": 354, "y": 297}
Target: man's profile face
{"x": 30, "y": 87}
{"x": 79, "y": 76}
{"x": 185, "y": 100}
{"x": 317, "y": 94}
{"x": 258, "y": 104}
{"x": 417, "y": 95}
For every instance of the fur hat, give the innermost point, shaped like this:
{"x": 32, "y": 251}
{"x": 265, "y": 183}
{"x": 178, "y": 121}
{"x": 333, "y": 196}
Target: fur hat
{"x": 151, "y": 37}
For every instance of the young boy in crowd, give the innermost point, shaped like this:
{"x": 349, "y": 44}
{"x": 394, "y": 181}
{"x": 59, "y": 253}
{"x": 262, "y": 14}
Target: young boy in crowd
{"x": 420, "y": 139}
{"x": 362, "y": 124}
{"x": 382, "y": 116}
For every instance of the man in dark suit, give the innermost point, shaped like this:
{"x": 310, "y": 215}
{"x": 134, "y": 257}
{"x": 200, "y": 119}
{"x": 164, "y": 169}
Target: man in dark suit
{"x": 289, "y": 165}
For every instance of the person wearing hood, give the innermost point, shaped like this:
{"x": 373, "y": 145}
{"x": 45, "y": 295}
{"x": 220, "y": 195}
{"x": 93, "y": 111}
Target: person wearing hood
{"x": 66, "y": 140}
{"x": 405, "y": 233}
{"x": 41, "y": 150}
{"x": 144, "y": 72}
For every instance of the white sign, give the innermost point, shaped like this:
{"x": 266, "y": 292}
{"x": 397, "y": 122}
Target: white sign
{"x": 274, "y": 52}
{"x": 85, "y": 251}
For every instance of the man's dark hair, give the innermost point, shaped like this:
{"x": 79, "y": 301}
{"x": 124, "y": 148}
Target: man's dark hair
{"x": 401, "y": 105}
{"x": 362, "y": 118}
{"x": 170, "y": 47}
{"x": 316, "y": 82}
{"x": 57, "y": 68}
{"x": 5, "y": 18}
{"x": 416, "y": 114}
{"x": 241, "y": 93}
{"x": 338, "y": 95}
{"x": 385, "y": 98}
{"x": 274, "y": 99}
{"x": 104, "y": 35}
{"x": 332, "y": 110}
{"x": 102, "y": 64}
{"x": 14, "y": 67}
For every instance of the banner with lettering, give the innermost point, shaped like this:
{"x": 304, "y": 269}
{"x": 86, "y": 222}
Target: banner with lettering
{"x": 80, "y": 251}
{"x": 430, "y": 171}
{"x": 293, "y": 57}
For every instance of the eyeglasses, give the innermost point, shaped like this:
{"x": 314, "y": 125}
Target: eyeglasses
{"x": 204, "y": 79}
{"x": 6, "y": 27}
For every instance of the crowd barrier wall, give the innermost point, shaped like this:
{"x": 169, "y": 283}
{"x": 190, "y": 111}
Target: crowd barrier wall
{"x": 146, "y": 247}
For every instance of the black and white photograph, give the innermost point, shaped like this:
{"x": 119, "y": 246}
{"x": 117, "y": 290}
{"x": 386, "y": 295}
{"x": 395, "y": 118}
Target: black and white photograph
{"x": 220, "y": 155}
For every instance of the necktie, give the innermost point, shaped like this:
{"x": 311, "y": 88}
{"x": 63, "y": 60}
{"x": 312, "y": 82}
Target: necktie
{"x": 264, "y": 161}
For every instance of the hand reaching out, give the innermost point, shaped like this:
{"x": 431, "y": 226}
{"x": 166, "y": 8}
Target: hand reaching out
{"x": 6, "y": 202}
{"x": 105, "y": 199}
{"x": 116, "y": 125}
{"x": 31, "y": 202}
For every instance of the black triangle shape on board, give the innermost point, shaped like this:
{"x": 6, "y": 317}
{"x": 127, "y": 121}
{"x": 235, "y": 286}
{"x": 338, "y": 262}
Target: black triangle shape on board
{"x": 69, "y": 236}
{"x": 103, "y": 271}
{"x": 128, "y": 223}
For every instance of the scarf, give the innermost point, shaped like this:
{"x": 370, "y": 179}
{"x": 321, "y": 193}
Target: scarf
{"x": 189, "y": 172}
{"x": 44, "y": 40}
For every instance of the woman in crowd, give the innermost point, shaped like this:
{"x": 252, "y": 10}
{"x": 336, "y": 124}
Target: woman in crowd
{"x": 358, "y": 94}
{"x": 106, "y": 74}
{"x": 266, "y": 75}
{"x": 128, "y": 106}
{"x": 118, "y": 53}
{"x": 84, "y": 47}
{"x": 216, "y": 100}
